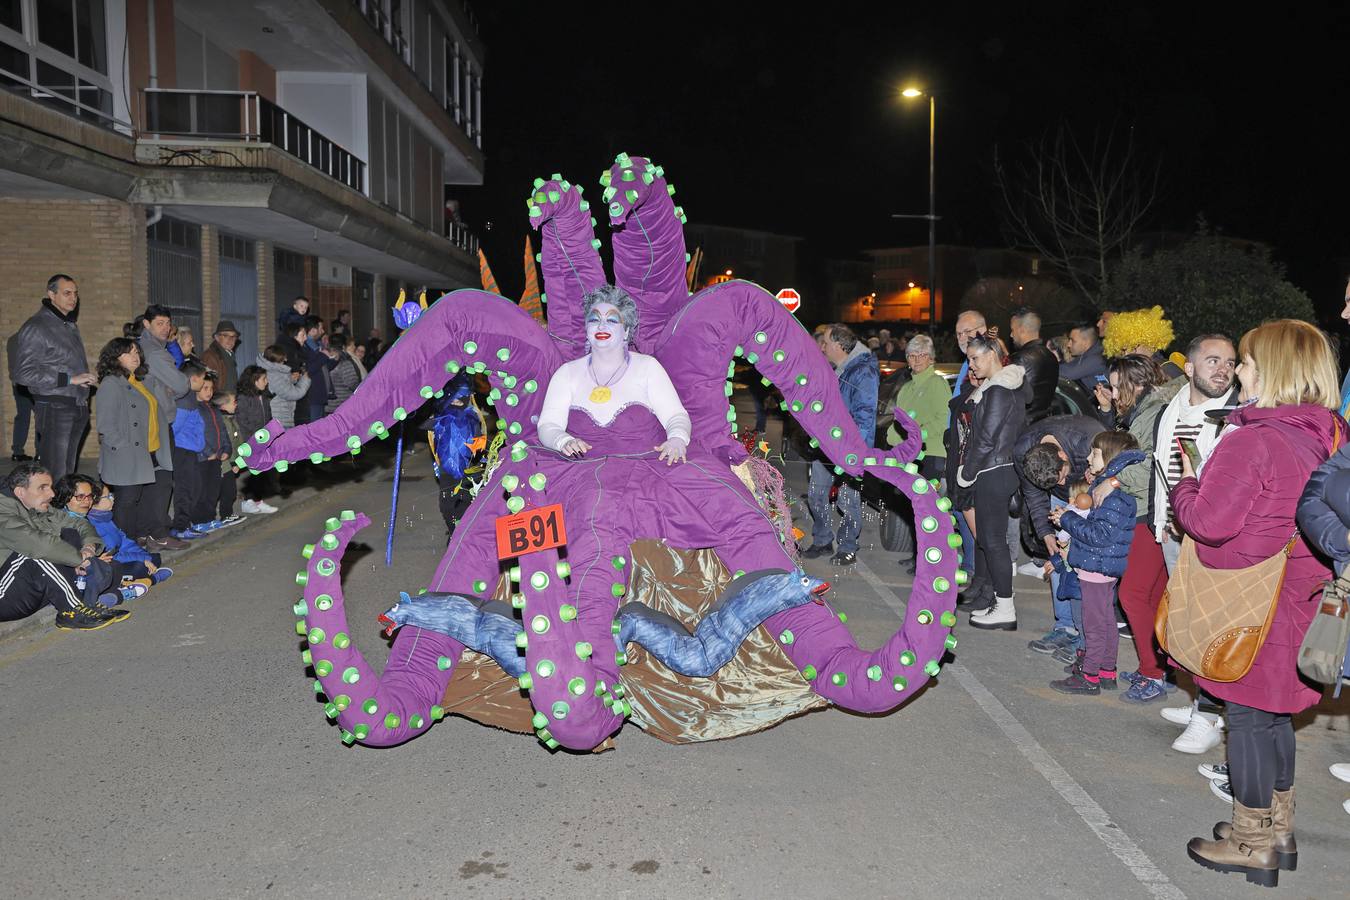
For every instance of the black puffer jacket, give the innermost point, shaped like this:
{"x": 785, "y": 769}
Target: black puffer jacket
{"x": 1074, "y": 435}
{"x": 1042, "y": 377}
{"x": 999, "y": 414}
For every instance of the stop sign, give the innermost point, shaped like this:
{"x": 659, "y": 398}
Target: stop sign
{"x": 790, "y": 299}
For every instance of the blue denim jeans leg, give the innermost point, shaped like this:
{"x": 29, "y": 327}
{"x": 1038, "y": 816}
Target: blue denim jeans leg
{"x": 818, "y": 501}
{"x": 1064, "y": 612}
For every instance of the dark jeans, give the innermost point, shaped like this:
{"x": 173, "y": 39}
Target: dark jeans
{"x": 133, "y": 569}
{"x": 23, "y": 414}
{"x": 1101, "y": 640}
{"x": 142, "y": 510}
{"x": 229, "y": 492}
{"x": 187, "y": 486}
{"x": 61, "y": 428}
{"x": 993, "y": 559}
{"x": 208, "y": 474}
{"x": 263, "y": 485}
{"x": 1260, "y": 754}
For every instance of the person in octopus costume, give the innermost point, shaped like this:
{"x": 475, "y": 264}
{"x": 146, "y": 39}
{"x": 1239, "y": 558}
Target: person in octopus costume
{"x": 673, "y": 599}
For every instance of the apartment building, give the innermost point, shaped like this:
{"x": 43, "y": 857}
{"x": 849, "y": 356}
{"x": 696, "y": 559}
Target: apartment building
{"x": 223, "y": 158}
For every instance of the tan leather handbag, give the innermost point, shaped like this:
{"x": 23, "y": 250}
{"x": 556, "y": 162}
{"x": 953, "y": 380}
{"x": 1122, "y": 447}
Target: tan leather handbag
{"x": 1214, "y": 621}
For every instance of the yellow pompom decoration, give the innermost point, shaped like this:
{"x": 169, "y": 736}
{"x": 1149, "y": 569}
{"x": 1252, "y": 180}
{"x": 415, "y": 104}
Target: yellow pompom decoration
{"x": 1128, "y": 331}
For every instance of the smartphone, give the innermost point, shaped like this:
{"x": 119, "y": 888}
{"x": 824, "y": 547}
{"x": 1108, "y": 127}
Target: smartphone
{"x": 1191, "y": 449}
{"x": 1102, "y": 379}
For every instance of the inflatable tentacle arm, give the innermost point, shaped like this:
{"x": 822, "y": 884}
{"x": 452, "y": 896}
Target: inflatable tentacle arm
{"x": 569, "y": 255}
{"x": 747, "y": 602}
{"x": 649, "y": 257}
{"x": 464, "y": 329}
{"x": 377, "y": 710}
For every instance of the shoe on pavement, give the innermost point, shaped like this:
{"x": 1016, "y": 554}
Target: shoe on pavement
{"x": 844, "y": 559}
{"x": 1002, "y": 616}
{"x": 1123, "y": 628}
{"x": 129, "y": 592}
{"x": 817, "y": 550}
{"x": 1067, "y": 655}
{"x": 206, "y": 527}
{"x": 978, "y": 594}
{"x": 162, "y": 574}
{"x": 1214, "y": 771}
{"x": 1031, "y": 570}
{"x": 230, "y": 520}
{"x": 21, "y": 457}
{"x": 1222, "y": 789}
{"x": 1341, "y": 771}
{"x": 185, "y": 534}
{"x": 1145, "y": 691}
{"x": 169, "y": 542}
{"x": 1107, "y": 682}
{"x": 1077, "y": 664}
{"x": 1201, "y": 736}
{"x": 266, "y": 508}
{"x": 82, "y": 619}
{"x": 1177, "y": 715}
{"x": 1056, "y": 638}
{"x": 1076, "y": 684}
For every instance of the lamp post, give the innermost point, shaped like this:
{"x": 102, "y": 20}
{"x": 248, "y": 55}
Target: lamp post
{"x": 912, "y": 93}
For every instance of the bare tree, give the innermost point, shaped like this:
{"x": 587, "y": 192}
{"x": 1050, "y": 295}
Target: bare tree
{"x": 1077, "y": 206}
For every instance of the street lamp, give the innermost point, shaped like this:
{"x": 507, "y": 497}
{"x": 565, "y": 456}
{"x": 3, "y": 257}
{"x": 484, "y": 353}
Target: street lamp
{"x": 912, "y": 93}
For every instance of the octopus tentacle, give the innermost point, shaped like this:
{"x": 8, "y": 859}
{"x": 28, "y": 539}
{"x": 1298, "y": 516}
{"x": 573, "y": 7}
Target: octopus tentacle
{"x": 739, "y": 318}
{"x": 649, "y": 252}
{"x": 466, "y": 329}
{"x": 746, "y": 603}
{"x": 377, "y": 710}
{"x": 484, "y": 626}
{"x": 569, "y": 257}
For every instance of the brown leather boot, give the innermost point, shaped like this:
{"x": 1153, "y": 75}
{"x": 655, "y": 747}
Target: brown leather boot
{"x": 1249, "y": 847}
{"x": 1282, "y": 811}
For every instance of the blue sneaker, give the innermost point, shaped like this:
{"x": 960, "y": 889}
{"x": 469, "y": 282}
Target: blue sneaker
{"x": 206, "y": 527}
{"x": 1055, "y": 639}
{"x": 1145, "y": 691}
{"x": 1134, "y": 677}
{"x": 187, "y": 534}
{"x": 163, "y": 573}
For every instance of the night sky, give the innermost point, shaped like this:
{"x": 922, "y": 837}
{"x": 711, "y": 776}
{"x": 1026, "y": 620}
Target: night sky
{"x": 794, "y": 125}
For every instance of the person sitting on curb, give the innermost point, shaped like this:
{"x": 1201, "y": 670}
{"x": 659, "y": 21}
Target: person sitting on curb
{"x": 85, "y": 497}
{"x": 40, "y": 568}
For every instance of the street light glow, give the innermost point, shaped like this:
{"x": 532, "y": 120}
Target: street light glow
{"x": 911, "y": 92}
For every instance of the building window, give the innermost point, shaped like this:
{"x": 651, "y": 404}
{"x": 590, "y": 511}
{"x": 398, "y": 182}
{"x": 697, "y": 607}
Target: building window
{"x": 75, "y": 28}
{"x": 54, "y": 52}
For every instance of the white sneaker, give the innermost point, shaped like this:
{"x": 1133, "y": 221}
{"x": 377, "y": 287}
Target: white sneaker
{"x": 266, "y": 507}
{"x": 1002, "y": 616}
{"x": 256, "y": 508}
{"x": 1177, "y": 715}
{"x": 1214, "y": 771}
{"x": 1031, "y": 570}
{"x": 1201, "y": 736}
{"x": 1341, "y": 771}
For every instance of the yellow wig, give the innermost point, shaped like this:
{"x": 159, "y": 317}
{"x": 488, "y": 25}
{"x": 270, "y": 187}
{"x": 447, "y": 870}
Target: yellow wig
{"x": 1126, "y": 331}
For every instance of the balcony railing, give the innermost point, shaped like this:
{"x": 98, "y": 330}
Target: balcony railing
{"x": 462, "y": 238}
{"x": 245, "y": 116}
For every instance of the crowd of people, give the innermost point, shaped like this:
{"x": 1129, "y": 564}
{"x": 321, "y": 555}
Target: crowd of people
{"x": 169, "y": 422}
{"x": 1191, "y": 471}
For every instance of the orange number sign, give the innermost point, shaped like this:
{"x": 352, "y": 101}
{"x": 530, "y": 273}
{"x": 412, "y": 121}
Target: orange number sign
{"x": 530, "y": 530}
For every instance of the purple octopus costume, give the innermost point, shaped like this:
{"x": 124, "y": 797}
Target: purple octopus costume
{"x": 566, "y": 633}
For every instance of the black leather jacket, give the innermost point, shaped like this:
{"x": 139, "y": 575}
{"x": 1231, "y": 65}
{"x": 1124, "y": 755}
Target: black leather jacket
{"x": 997, "y": 421}
{"x": 1042, "y": 376}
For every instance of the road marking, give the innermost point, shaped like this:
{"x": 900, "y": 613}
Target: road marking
{"x": 1092, "y": 814}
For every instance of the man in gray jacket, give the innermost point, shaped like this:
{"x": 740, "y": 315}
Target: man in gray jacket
{"x": 166, "y": 384}
{"x": 52, "y": 365}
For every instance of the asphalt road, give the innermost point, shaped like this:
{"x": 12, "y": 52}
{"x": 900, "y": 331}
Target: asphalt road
{"x": 182, "y": 753}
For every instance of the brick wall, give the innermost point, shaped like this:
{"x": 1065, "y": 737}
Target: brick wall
{"x": 210, "y": 284}
{"x": 267, "y": 295}
{"x": 99, "y": 243}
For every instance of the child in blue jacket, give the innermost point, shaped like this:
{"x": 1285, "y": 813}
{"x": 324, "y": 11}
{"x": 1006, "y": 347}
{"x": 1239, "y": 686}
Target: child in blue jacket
{"x": 1098, "y": 547}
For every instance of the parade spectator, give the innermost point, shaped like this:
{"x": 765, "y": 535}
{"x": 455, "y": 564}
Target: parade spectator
{"x": 1099, "y": 543}
{"x": 130, "y": 561}
{"x": 253, "y": 410}
{"x": 182, "y": 346}
{"x": 293, "y": 342}
{"x": 77, "y": 494}
{"x": 925, "y": 397}
{"x": 1089, "y": 360}
{"x": 968, "y": 324}
{"x": 346, "y": 374}
{"x": 1141, "y": 331}
{"x": 23, "y": 403}
{"x": 133, "y": 442}
{"x": 40, "y": 567}
{"x": 374, "y": 350}
{"x": 219, "y": 357}
{"x": 1036, "y": 360}
{"x": 319, "y": 365}
{"x": 341, "y": 328}
{"x": 52, "y": 365}
{"x": 1240, "y": 512}
{"x": 216, "y": 449}
{"x": 289, "y": 318}
{"x": 997, "y": 414}
{"x": 227, "y": 405}
{"x": 189, "y": 439}
{"x": 358, "y": 354}
{"x": 166, "y": 384}
{"x": 859, "y": 379}
{"x": 1206, "y": 385}
{"x": 1048, "y": 456}
{"x": 288, "y": 387}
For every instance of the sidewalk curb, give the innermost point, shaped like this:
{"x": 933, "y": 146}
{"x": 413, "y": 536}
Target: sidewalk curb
{"x": 44, "y": 620}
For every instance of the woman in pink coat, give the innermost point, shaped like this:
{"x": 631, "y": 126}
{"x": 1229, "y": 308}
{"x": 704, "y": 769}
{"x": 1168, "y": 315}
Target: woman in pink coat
{"x": 1242, "y": 512}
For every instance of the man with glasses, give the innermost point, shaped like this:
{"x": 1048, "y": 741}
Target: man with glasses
{"x": 925, "y": 397}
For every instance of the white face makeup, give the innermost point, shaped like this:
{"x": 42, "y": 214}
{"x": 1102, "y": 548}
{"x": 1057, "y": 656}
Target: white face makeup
{"x": 605, "y": 328}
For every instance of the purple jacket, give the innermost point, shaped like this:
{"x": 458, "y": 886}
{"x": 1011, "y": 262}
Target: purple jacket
{"x": 1241, "y": 512}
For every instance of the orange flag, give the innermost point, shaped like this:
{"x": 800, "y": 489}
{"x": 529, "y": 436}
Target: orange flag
{"x": 532, "y": 300}
{"x": 485, "y": 273}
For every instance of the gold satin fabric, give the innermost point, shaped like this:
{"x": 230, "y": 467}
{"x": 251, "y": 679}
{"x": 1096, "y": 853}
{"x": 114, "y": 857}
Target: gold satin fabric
{"x": 759, "y": 688}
